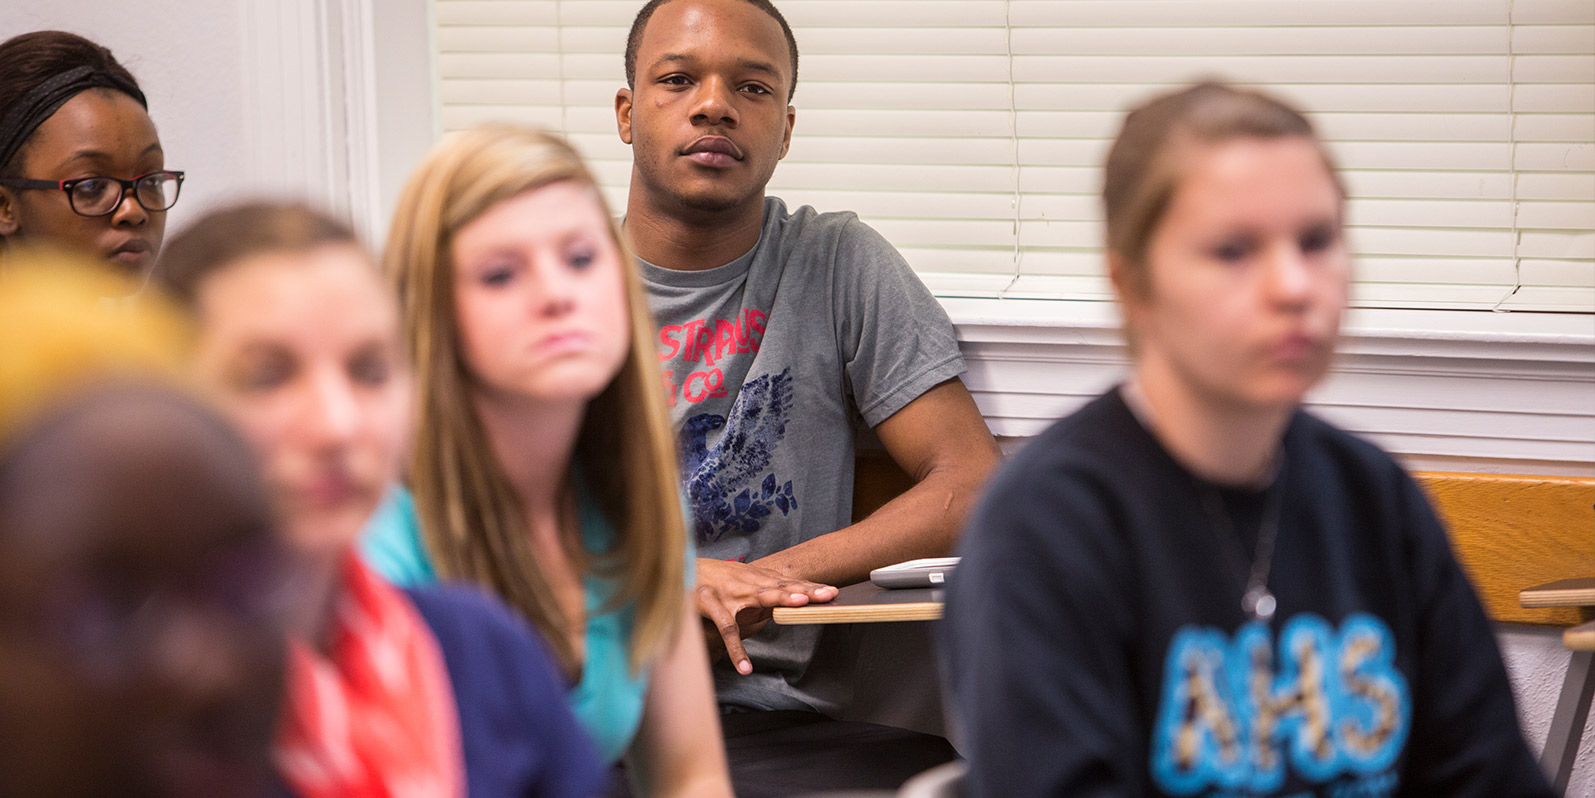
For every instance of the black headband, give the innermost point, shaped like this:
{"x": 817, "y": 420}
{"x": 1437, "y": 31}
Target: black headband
{"x": 46, "y": 98}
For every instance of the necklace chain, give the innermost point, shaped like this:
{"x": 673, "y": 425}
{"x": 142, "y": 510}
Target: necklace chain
{"x": 1257, "y": 602}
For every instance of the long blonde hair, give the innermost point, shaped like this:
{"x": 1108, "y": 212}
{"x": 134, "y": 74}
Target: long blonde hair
{"x": 473, "y": 524}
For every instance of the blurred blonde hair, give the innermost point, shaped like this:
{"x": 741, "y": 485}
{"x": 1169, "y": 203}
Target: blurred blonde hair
{"x": 472, "y": 522}
{"x": 59, "y": 333}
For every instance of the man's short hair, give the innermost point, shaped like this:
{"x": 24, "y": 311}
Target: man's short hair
{"x": 634, "y": 39}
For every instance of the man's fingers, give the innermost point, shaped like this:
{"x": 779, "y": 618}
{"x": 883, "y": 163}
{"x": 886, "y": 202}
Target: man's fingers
{"x": 725, "y": 623}
{"x": 732, "y": 635}
{"x": 744, "y": 583}
{"x": 779, "y": 597}
{"x": 817, "y": 592}
{"x": 811, "y": 589}
{"x": 789, "y": 593}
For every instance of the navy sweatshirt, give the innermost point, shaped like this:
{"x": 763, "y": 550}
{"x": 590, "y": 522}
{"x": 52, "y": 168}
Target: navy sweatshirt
{"x": 1095, "y": 643}
{"x": 519, "y": 735}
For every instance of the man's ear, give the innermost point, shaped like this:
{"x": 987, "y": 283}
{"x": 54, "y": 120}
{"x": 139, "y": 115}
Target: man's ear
{"x": 623, "y": 114}
{"x": 786, "y": 139}
{"x": 10, "y": 213}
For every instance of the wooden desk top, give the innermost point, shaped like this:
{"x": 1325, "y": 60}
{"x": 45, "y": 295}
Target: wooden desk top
{"x": 866, "y": 603}
{"x": 1563, "y": 593}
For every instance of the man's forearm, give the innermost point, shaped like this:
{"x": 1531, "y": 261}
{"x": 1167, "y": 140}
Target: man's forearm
{"x": 922, "y": 522}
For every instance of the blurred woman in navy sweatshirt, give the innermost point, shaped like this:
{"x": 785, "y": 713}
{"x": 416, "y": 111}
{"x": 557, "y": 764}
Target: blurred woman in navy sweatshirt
{"x": 1191, "y": 586}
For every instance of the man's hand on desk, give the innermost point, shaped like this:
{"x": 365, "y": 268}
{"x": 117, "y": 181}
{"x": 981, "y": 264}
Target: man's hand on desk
{"x": 735, "y": 600}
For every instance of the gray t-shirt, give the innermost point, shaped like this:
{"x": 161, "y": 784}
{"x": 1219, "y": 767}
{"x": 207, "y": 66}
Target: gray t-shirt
{"x": 771, "y": 362}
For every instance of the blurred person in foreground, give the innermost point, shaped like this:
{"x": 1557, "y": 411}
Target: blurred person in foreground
{"x": 432, "y": 692}
{"x": 141, "y": 609}
{"x": 1191, "y": 586}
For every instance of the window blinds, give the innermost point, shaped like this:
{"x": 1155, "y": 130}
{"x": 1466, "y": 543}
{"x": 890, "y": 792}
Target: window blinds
{"x": 971, "y": 132}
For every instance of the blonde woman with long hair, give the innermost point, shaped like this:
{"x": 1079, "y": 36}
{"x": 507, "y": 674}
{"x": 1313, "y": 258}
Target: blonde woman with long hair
{"x": 544, "y": 467}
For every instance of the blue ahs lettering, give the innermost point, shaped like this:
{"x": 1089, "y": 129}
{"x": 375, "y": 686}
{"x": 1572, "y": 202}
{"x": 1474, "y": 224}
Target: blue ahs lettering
{"x": 1237, "y": 714}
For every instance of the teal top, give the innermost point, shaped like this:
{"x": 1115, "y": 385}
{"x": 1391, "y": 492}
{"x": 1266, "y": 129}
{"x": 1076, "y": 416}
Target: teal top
{"x": 608, "y": 701}
{"x": 391, "y": 543}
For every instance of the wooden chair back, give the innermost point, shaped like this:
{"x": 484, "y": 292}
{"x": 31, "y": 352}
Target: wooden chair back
{"x": 1515, "y": 531}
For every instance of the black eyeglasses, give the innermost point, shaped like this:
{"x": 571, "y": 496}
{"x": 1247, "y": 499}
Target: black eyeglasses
{"x": 101, "y": 196}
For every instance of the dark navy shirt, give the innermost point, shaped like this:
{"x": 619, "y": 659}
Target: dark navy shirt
{"x": 1096, "y": 644}
{"x": 519, "y": 734}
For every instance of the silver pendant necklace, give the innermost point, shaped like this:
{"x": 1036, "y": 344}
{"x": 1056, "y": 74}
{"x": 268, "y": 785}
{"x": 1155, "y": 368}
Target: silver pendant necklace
{"x": 1257, "y": 602}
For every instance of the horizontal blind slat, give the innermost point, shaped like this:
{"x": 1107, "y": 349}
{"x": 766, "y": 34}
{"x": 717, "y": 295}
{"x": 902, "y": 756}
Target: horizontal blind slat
{"x": 1553, "y": 68}
{"x": 1289, "y": 68}
{"x": 1327, "y": 97}
{"x": 1554, "y": 98}
{"x": 499, "y": 38}
{"x": 1556, "y": 127}
{"x": 1553, "y": 12}
{"x": 451, "y": 13}
{"x": 1575, "y": 186}
{"x": 1205, "y": 14}
{"x": 1266, "y": 40}
{"x": 1572, "y": 244}
{"x": 1563, "y": 157}
{"x": 1553, "y": 39}
{"x": 1557, "y": 215}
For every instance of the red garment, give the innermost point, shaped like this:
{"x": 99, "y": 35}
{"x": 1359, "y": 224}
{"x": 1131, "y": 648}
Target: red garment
{"x": 377, "y": 718}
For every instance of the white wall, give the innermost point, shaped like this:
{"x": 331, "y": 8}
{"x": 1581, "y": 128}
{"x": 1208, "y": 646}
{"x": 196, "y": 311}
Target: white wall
{"x": 405, "y": 85}
{"x": 1536, "y": 660}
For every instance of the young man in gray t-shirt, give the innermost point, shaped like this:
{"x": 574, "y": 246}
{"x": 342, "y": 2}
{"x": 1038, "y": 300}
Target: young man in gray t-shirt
{"x": 780, "y": 332}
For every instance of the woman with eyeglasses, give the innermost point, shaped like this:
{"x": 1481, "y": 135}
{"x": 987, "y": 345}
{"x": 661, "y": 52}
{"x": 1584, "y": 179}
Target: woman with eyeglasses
{"x": 81, "y": 166}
